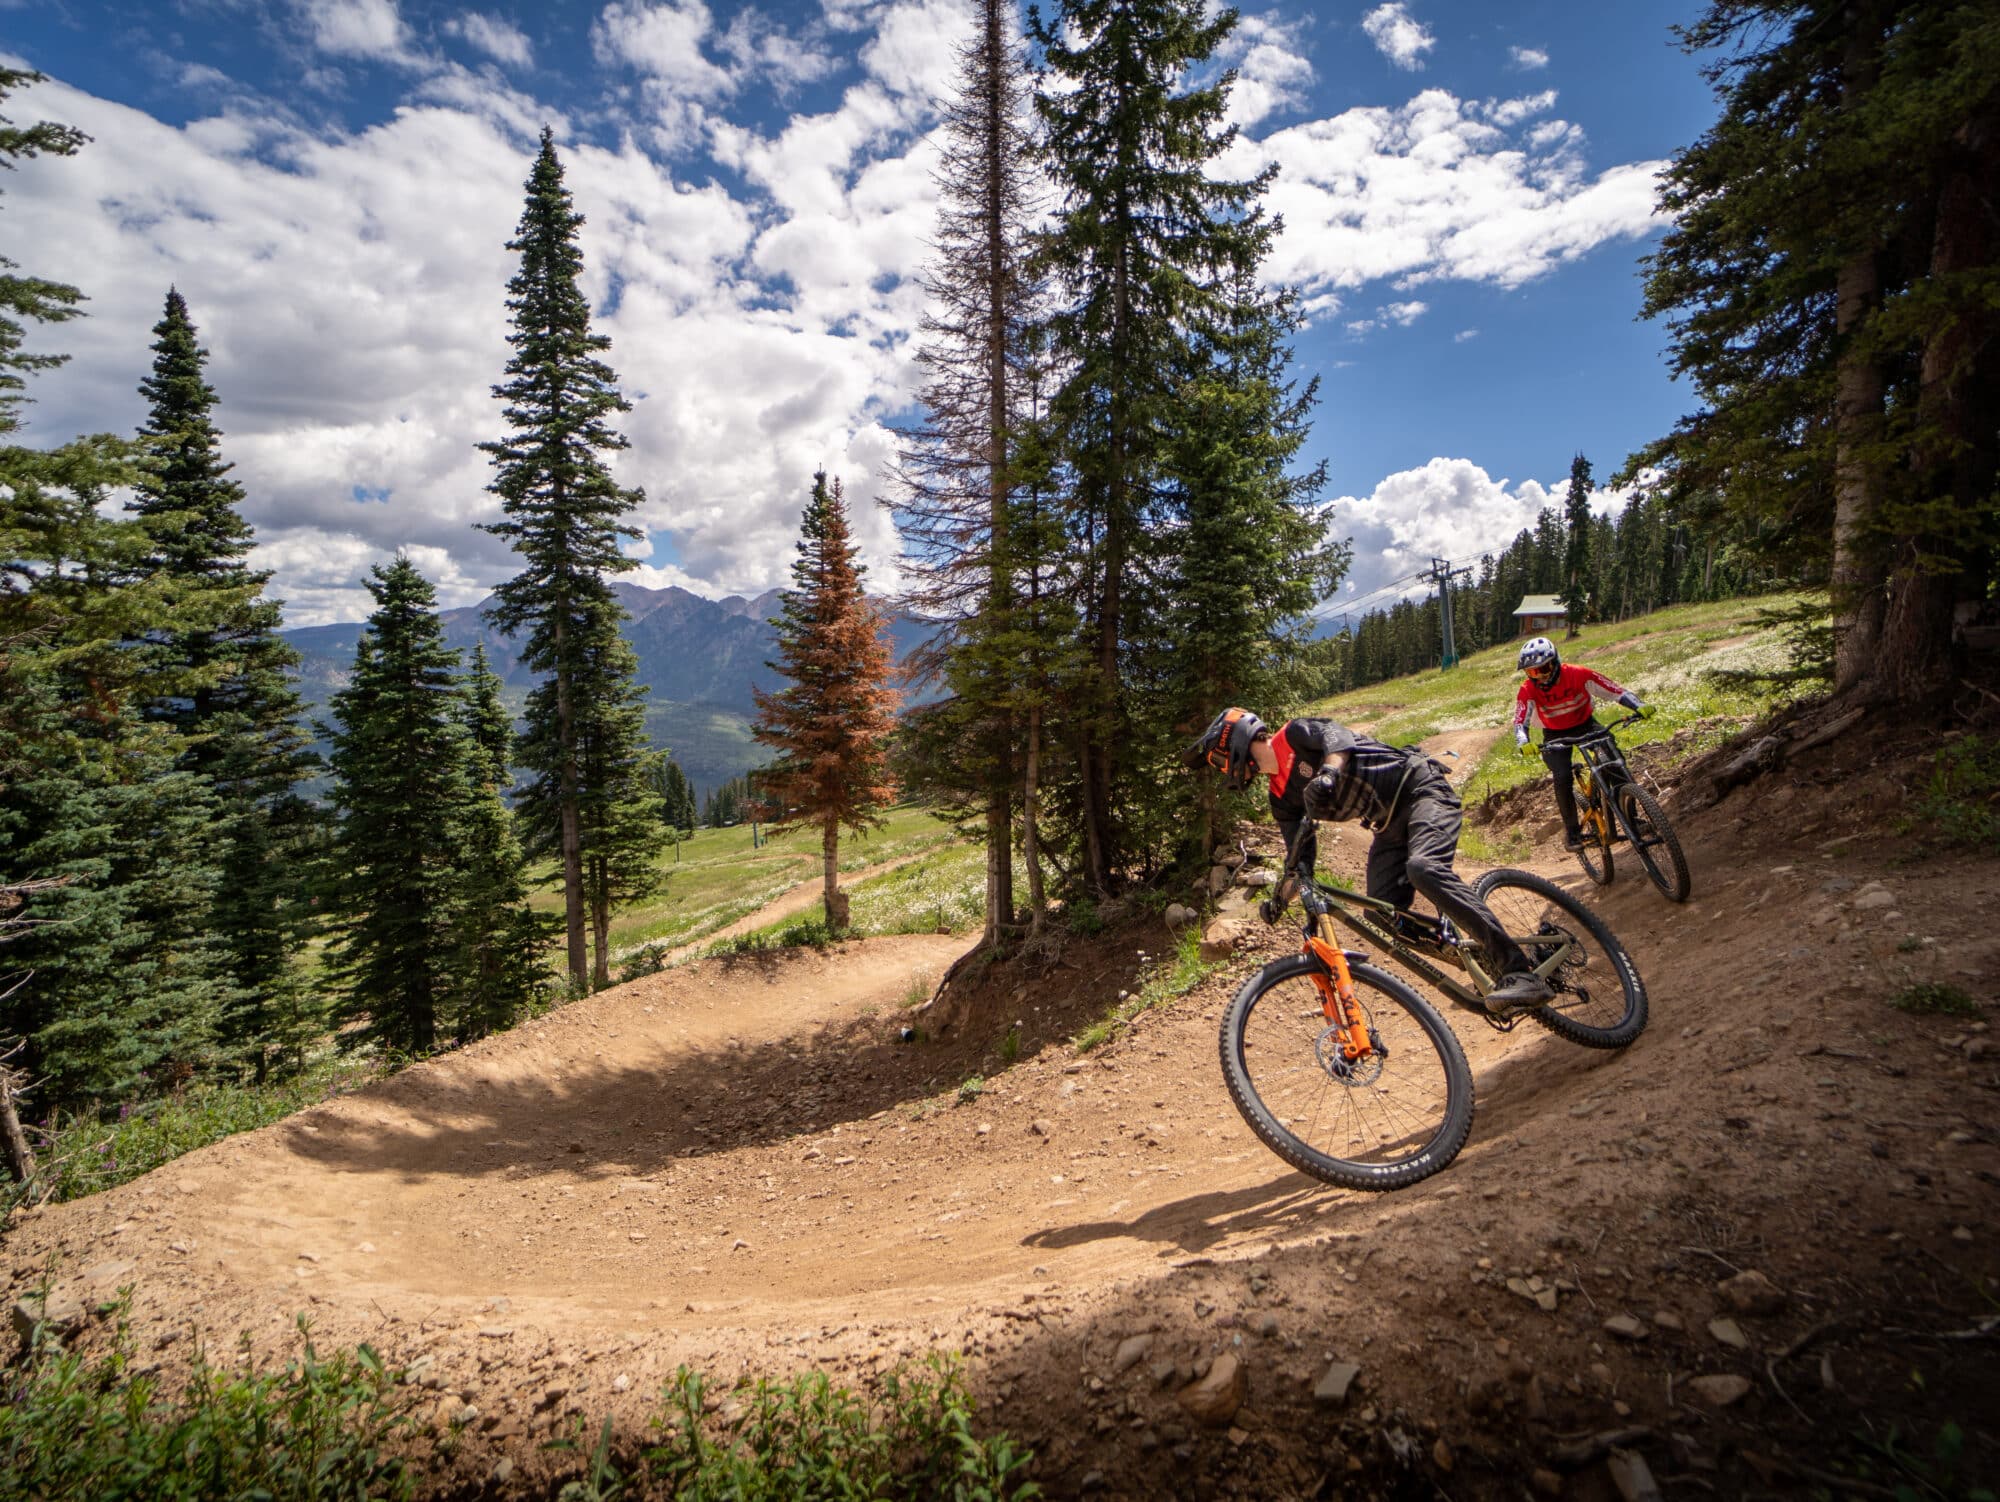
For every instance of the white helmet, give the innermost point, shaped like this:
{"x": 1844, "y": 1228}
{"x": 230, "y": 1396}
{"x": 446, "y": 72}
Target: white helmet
{"x": 1539, "y": 659}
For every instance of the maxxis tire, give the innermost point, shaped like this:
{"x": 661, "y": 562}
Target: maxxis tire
{"x": 1595, "y": 859}
{"x": 1673, "y": 881}
{"x": 1554, "y": 1019}
{"x": 1444, "y": 1144}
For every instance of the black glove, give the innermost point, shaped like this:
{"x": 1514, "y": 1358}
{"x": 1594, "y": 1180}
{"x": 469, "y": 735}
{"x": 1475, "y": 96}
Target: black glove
{"x": 1319, "y": 797}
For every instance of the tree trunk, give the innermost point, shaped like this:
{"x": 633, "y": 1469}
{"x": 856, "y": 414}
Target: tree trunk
{"x": 600, "y": 922}
{"x": 572, "y": 837}
{"x": 20, "y": 1157}
{"x": 836, "y": 900}
{"x": 1955, "y": 459}
{"x": 1031, "y": 839}
{"x": 999, "y": 583}
{"x": 1858, "y": 571}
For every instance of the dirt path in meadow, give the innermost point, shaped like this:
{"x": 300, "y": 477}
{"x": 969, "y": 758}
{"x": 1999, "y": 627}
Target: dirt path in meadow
{"x": 738, "y": 1165}
{"x": 801, "y": 898}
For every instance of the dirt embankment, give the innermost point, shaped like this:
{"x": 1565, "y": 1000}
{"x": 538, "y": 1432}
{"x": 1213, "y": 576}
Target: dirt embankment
{"x": 1746, "y": 1248}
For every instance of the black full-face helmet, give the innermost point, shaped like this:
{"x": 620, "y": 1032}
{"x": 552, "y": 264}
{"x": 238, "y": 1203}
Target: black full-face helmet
{"x": 1225, "y": 745}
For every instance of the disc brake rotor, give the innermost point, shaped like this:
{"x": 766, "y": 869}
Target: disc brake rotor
{"x": 1343, "y": 1071}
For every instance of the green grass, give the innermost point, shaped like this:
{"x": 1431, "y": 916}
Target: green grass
{"x": 718, "y": 876}
{"x": 1669, "y": 658}
{"x": 75, "y": 1428}
{"x": 1936, "y": 998}
{"x": 943, "y": 891}
{"x": 81, "y": 1154}
{"x": 1959, "y": 803}
{"x": 1173, "y": 975}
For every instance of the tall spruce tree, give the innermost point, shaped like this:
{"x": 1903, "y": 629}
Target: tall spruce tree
{"x": 102, "y": 833}
{"x": 1827, "y": 285}
{"x": 958, "y": 471}
{"x": 830, "y": 725}
{"x": 401, "y": 756}
{"x": 564, "y": 517}
{"x": 1147, "y": 248}
{"x": 242, "y": 719}
{"x": 1243, "y": 555}
{"x": 1576, "y": 544}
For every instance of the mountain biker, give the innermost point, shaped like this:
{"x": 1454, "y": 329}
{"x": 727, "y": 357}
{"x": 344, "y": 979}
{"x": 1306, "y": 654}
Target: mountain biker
{"x": 1321, "y": 770}
{"x": 1559, "y": 694}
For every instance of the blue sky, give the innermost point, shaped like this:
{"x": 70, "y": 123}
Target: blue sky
{"x": 1467, "y": 190}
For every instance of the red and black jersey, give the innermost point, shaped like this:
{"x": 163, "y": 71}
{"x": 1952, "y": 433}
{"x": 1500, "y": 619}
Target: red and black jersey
{"x": 1566, "y": 703}
{"x": 1370, "y": 778}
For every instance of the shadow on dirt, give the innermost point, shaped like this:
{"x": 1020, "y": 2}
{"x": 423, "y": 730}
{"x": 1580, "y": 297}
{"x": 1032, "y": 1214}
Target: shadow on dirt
{"x": 602, "y": 1119}
{"x": 1280, "y": 1206}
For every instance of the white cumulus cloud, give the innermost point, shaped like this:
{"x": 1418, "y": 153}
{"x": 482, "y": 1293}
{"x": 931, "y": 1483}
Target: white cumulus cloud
{"x": 1447, "y": 508}
{"x": 1528, "y": 59}
{"x": 371, "y": 29}
{"x": 1398, "y": 35}
{"x": 1437, "y": 189}
{"x": 499, "y": 39}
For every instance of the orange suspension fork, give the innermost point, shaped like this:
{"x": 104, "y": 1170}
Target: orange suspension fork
{"x": 1337, "y": 999}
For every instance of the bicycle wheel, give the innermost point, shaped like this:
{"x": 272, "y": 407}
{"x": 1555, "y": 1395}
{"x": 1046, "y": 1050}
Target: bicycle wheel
{"x": 1383, "y": 1123}
{"x": 1654, "y": 839}
{"x": 1600, "y": 1000}
{"x": 1593, "y": 825}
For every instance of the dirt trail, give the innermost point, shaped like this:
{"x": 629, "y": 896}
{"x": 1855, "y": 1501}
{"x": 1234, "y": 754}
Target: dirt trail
{"x": 789, "y": 904}
{"x": 738, "y": 1165}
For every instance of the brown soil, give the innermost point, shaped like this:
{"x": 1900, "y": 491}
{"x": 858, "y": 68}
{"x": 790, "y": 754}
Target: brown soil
{"x": 739, "y": 1166}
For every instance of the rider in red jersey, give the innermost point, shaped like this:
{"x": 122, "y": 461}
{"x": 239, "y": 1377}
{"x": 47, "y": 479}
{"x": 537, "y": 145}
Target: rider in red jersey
{"x": 1559, "y": 695}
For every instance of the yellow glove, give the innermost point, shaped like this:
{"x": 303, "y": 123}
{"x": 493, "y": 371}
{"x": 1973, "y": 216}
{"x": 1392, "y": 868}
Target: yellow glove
{"x": 1525, "y": 748}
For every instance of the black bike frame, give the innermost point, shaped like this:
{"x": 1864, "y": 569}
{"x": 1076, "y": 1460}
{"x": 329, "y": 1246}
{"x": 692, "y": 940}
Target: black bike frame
{"x": 1323, "y": 902}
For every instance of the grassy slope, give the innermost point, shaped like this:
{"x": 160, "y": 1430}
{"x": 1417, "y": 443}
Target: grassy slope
{"x": 718, "y": 876}
{"x": 1666, "y": 658}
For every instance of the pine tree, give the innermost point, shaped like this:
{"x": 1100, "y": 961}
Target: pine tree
{"x": 1827, "y": 284}
{"x": 125, "y": 976}
{"x": 958, "y": 466}
{"x": 30, "y": 297}
{"x": 498, "y": 937}
{"x": 1244, "y": 555}
{"x": 102, "y": 834}
{"x": 401, "y": 754}
{"x": 830, "y": 726}
{"x": 242, "y": 718}
{"x": 1148, "y": 246}
{"x": 1576, "y": 545}
{"x": 564, "y": 517}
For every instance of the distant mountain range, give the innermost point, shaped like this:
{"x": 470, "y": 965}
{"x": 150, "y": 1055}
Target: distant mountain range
{"x": 700, "y": 658}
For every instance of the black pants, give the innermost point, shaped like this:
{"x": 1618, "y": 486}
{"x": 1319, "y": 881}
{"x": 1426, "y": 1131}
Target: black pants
{"x": 1556, "y": 746}
{"x": 1415, "y": 854}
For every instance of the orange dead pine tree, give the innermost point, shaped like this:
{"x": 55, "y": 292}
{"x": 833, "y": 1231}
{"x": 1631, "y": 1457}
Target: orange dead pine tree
{"x": 831, "y": 726}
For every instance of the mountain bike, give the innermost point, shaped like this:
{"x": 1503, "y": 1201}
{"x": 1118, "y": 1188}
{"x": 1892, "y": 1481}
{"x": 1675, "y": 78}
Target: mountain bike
{"x": 1351, "y": 1076}
{"x": 1610, "y": 805}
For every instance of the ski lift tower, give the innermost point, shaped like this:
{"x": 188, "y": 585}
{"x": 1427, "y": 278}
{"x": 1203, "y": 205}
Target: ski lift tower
{"x": 1442, "y": 573}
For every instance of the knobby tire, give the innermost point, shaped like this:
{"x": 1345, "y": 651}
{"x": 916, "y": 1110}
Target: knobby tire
{"x": 1640, "y": 810}
{"x": 1522, "y": 902}
{"x": 1595, "y": 858}
{"x": 1402, "y": 1099}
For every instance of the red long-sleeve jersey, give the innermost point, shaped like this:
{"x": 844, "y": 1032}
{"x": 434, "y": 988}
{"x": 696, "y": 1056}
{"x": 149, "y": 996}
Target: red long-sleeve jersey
{"x": 1566, "y": 703}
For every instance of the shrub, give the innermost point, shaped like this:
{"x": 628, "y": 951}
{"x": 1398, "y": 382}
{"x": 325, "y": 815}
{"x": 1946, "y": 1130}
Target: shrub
{"x": 808, "y": 1438}
{"x": 75, "y": 1427}
{"x": 1960, "y": 799}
